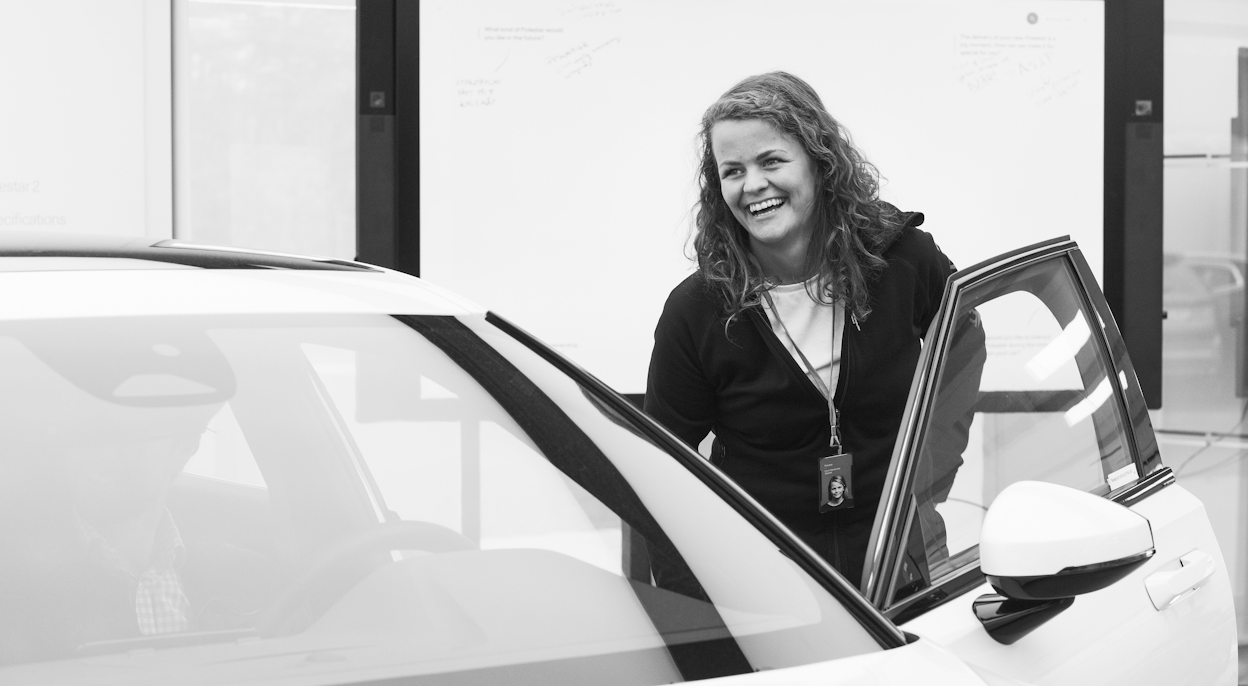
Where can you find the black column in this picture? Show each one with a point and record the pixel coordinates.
(1134, 80)
(407, 134)
(374, 133)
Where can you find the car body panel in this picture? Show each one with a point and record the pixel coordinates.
(919, 662)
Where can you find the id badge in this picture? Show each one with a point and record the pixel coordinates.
(836, 482)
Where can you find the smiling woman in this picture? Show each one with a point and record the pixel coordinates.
(793, 241)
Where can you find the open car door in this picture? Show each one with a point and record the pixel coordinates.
(1024, 377)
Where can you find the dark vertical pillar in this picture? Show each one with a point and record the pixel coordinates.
(375, 133)
(1134, 82)
(407, 135)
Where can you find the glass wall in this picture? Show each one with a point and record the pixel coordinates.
(265, 124)
(1202, 428)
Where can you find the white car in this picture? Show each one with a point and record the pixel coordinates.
(222, 466)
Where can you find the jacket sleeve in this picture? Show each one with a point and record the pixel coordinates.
(932, 272)
(678, 393)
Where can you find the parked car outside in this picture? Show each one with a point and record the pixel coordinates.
(1203, 297)
(224, 466)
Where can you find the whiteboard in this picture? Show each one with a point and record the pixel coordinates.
(86, 129)
(558, 139)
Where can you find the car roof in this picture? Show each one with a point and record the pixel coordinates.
(160, 251)
(72, 275)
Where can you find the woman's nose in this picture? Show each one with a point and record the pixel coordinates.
(755, 181)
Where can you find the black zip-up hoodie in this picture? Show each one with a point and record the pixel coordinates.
(770, 422)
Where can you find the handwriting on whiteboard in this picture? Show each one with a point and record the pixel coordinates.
(477, 92)
(518, 34)
(1035, 62)
(573, 61)
(589, 10)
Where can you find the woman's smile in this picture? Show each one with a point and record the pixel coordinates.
(765, 208)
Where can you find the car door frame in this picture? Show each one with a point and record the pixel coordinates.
(892, 518)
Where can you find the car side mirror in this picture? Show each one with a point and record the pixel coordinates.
(1043, 544)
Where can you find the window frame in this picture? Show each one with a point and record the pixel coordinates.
(892, 520)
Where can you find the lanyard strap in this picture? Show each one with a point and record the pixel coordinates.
(833, 415)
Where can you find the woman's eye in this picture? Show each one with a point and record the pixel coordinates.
(729, 172)
(772, 162)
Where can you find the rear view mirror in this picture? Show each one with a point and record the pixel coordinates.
(1043, 544)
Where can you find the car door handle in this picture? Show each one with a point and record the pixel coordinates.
(1167, 588)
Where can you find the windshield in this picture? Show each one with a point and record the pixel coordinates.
(353, 498)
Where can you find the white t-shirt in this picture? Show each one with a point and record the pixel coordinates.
(815, 327)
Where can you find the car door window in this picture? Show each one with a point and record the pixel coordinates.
(1023, 391)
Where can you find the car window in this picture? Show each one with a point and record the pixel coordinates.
(1024, 392)
(368, 497)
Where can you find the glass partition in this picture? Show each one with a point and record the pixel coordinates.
(1201, 428)
(265, 124)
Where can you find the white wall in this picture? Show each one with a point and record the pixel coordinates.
(85, 131)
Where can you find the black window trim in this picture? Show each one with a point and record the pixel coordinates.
(946, 589)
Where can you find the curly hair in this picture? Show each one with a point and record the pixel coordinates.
(852, 225)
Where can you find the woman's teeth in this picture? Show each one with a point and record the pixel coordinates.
(765, 207)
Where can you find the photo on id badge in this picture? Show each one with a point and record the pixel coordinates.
(836, 484)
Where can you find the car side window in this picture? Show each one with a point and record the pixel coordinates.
(1024, 391)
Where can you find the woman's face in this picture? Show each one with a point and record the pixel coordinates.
(768, 181)
(836, 489)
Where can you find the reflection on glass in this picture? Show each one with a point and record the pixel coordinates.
(1092, 403)
(1061, 350)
